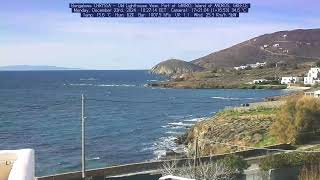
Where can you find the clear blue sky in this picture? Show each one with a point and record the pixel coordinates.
(45, 32)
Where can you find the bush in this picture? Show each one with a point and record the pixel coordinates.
(286, 160)
(235, 163)
(271, 65)
(310, 172)
(317, 85)
(229, 168)
(296, 117)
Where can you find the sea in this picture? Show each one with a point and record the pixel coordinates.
(125, 121)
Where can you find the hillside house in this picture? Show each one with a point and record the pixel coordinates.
(315, 94)
(258, 81)
(291, 80)
(313, 76)
(256, 65)
(276, 45)
(240, 67)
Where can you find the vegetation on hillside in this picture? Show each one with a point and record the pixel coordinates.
(285, 160)
(240, 126)
(294, 121)
(230, 78)
(297, 120)
(230, 167)
(295, 46)
(310, 172)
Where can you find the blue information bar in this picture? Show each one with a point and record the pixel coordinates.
(154, 10)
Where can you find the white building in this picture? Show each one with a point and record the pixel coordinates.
(261, 64)
(313, 94)
(312, 77)
(256, 65)
(240, 67)
(253, 65)
(257, 81)
(276, 45)
(291, 80)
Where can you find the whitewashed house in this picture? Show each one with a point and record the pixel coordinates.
(240, 67)
(315, 94)
(276, 45)
(253, 65)
(257, 81)
(261, 64)
(312, 77)
(291, 80)
(256, 65)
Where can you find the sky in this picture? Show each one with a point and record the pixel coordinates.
(45, 32)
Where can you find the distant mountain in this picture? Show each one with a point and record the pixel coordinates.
(175, 67)
(33, 68)
(295, 46)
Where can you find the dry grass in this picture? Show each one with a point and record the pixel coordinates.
(311, 172)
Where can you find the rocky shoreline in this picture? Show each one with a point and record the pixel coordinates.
(246, 126)
(210, 85)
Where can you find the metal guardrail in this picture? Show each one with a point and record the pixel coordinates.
(155, 165)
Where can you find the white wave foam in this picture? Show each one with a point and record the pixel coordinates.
(180, 124)
(225, 98)
(88, 79)
(174, 132)
(249, 98)
(173, 127)
(81, 84)
(163, 144)
(115, 85)
(95, 158)
(103, 85)
(194, 119)
(152, 80)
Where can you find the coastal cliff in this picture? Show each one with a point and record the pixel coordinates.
(175, 67)
(240, 126)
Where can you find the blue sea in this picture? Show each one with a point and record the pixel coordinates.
(126, 121)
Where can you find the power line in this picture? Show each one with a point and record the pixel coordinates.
(146, 102)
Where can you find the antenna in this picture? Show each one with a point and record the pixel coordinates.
(83, 138)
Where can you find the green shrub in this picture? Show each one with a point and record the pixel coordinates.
(285, 160)
(235, 163)
(296, 117)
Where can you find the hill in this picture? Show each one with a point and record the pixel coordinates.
(229, 78)
(296, 46)
(175, 67)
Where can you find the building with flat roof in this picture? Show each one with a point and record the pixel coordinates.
(291, 80)
(313, 76)
(315, 94)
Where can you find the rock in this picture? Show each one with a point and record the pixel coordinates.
(176, 69)
(257, 137)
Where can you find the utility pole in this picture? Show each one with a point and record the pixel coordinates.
(195, 158)
(83, 160)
